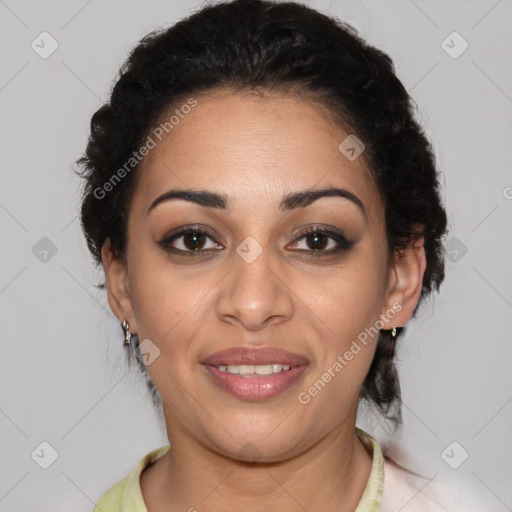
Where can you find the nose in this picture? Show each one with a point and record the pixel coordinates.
(254, 294)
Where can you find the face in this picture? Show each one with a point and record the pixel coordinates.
(259, 270)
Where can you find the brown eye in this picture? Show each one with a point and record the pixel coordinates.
(191, 241)
(194, 240)
(318, 242)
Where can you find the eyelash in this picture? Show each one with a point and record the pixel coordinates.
(343, 243)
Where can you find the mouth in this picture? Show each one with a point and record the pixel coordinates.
(257, 357)
(251, 370)
(255, 374)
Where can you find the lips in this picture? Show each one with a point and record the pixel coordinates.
(258, 387)
(255, 356)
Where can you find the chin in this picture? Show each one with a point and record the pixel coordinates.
(251, 445)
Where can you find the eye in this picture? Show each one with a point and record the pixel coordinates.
(192, 240)
(318, 241)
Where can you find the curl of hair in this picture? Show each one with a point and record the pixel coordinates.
(285, 47)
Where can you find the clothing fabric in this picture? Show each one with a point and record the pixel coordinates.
(389, 488)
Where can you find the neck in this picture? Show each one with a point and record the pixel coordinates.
(329, 476)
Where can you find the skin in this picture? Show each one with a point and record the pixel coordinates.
(255, 150)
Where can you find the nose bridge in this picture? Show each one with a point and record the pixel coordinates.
(254, 292)
(253, 252)
(253, 279)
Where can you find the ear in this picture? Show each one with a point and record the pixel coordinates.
(405, 284)
(118, 287)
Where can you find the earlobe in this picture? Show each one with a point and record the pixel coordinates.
(408, 270)
(118, 288)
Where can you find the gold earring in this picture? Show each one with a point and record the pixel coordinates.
(127, 334)
(393, 332)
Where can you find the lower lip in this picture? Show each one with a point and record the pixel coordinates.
(261, 387)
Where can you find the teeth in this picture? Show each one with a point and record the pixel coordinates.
(250, 369)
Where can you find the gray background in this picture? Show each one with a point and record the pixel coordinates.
(63, 376)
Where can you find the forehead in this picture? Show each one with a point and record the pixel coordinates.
(252, 148)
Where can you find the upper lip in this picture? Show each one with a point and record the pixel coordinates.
(254, 356)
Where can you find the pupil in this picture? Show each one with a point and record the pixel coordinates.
(196, 239)
(315, 238)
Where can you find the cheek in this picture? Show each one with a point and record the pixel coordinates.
(348, 299)
(345, 353)
(166, 302)
(345, 305)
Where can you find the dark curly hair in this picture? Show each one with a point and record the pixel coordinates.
(273, 46)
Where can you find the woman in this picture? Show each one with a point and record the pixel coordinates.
(267, 213)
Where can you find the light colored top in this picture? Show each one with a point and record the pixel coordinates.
(402, 490)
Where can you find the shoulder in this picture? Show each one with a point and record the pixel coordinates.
(409, 492)
(111, 501)
(126, 494)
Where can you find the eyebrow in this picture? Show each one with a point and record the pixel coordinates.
(289, 202)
